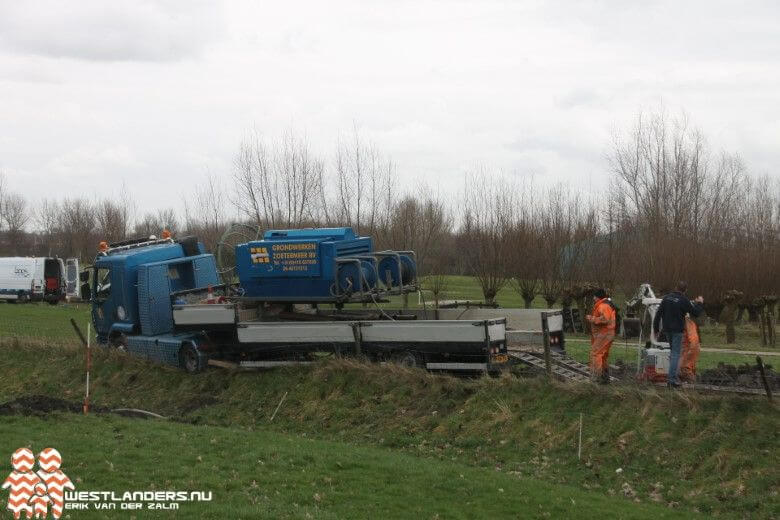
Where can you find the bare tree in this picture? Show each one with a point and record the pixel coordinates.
(206, 212)
(167, 219)
(15, 216)
(489, 212)
(419, 224)
(527, 241)
(437, 284)
(112, 220)
(278, 185)
(46, 218)
(685, 213)
(364, 181)
(156, 223)
(3, 193)
(77, 228)
(676, 210)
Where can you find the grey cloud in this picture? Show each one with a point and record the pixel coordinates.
(122, 30)
(696, 30)
(518, 86)
(548, 143)
(579, 97)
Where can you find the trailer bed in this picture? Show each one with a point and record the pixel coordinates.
(480, 332)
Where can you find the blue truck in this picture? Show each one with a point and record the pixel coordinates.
(164, 299)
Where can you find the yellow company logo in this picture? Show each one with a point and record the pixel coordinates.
(259, 255)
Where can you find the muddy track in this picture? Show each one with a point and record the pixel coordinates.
(43, 405)
(40, 405)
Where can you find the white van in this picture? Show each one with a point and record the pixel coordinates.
(38, 279)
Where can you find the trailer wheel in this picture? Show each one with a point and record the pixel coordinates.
(407, 358)
(189, 359)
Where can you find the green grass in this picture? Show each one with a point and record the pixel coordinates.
(267, 474)
(461, 288)
(43, 321)
(748, 337)
(467, 288)
(711, 453)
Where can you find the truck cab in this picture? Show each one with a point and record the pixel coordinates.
(120, 304)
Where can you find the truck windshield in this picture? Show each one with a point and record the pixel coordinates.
(103, 280)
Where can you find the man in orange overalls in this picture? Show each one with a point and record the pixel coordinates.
(602, 330)
(691, 347)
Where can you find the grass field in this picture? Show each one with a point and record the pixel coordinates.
(354, 440)
(43, 321)
(713, 454)
(267, 474)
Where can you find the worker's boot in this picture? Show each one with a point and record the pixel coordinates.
(604, 379)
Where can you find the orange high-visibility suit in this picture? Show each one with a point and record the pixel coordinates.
(602, 332)
(691, 347)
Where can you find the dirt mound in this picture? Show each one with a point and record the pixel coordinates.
(196, 403)
(746, 375)
(41, 405)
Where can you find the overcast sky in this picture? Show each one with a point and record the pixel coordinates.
(157, 94)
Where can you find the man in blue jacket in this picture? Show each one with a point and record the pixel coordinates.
(671, 316)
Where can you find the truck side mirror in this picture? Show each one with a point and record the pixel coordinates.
(86, 291)
(84, 276)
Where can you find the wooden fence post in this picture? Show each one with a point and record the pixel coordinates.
(763, 378)
(546, 342)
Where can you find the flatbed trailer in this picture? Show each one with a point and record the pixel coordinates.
(215, 331)
(230, 332)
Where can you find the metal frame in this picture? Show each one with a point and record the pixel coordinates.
(134, 245)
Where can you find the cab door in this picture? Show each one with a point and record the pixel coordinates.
(72, 287)
(103, 305)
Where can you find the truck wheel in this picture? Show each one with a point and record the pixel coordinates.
(189, 359)
(118, 341)
(407, 358)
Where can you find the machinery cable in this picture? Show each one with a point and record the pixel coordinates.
(371, 293)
